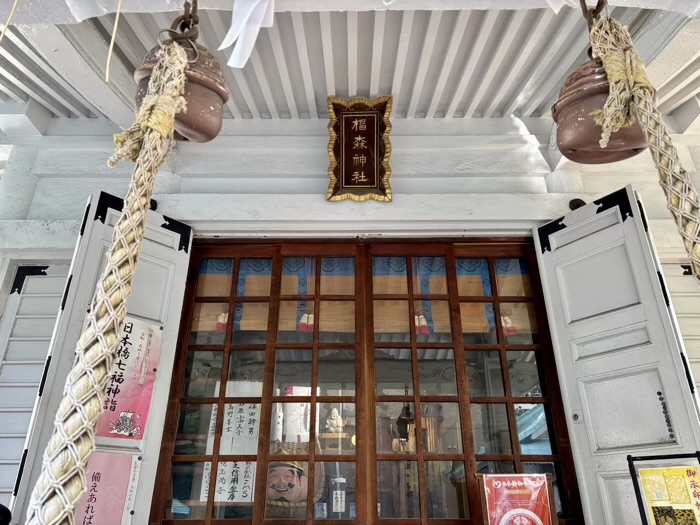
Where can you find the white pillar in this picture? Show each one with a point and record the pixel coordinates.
(17, 183)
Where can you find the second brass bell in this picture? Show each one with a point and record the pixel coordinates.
(205, 92)
(578, 136)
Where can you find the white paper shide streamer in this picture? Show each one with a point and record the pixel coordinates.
(247, 17)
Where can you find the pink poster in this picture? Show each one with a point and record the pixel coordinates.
(108, 482)
(130, 384)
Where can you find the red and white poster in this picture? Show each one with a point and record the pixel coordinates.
(517, 499)
(130, 383)
(111, 483)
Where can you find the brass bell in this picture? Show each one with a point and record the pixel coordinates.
(578, 136)
(205, 91)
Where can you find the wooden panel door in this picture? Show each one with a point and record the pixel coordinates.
(620, 367)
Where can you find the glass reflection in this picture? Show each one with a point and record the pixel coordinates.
(196, 430)
(298, 276)
(290, 429)
(533, 430)
(250, 323)
(512, 278)
(478, 323)
(490, 429)
(336, 372)
(519, 322)
(524, 374)
(554, 470)
(442, 431)
(393, 371)
(335, 428)
(337, 322)
(446, 489)
(296, 322)
(293, 370)
(246, 372)
(436, 372)
(396, 428)
(287, 489)
(203, 374)
(389, 275)
(432, 321)
(473, 277)
(391, 321)
(215, 278)
(484, 374)
(209, 322)
(335, 487)
(338, 276)
(235, 488)
(429, 276)
(190, 490)
(398, 489)
(254, 277)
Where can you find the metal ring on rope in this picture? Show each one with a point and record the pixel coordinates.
(179, 40)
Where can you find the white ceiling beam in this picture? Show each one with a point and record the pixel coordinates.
(424, 61)
(11, 91)
(573, 21)
(48, 72)
(687, 116)
(327, 43)
(127, 42)
(10, 53)
(24, 119)
(496, 57)
(401, 53)
(377, 47)
(352, 53)
(535, 37)
(681, 97)
(300, 37)
(259, 71)
(281, 62)
(219, 29)
(19, 79)
(79, 55)
(685, 76)
(475, 54)
(448, 62)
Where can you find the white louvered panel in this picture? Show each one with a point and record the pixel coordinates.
(33, 326)
(690, 326)
(8, 472)
(21, 372)
(16, 396)
(27, 349)
(39, 304)
(5, 496)
(18, 423)
(11, 447)
(50, 284)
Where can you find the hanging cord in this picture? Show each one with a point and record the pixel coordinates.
(9, 21)
(111, 42)
(632, 97)
(147, 142)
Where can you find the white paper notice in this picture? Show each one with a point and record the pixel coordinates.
(235, 481)
(240, 429)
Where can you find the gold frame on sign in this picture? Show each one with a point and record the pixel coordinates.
(384, 183)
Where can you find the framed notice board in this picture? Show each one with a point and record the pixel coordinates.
(667, 488)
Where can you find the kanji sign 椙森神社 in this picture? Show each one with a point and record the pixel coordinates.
(517, 499)
(359, 149)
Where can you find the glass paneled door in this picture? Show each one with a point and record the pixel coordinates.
(359, 383)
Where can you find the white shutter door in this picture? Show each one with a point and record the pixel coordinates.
(621, 372)
(26, 324)
(157, 296)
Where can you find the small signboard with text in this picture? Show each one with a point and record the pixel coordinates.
(359, 149)
(667, 488)
(130, 384)
(111, 490)
(518, 499)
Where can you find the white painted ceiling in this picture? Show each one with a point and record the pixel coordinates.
(437, 64)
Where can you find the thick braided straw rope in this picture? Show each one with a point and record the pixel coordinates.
(63, 476)
(632, 95)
